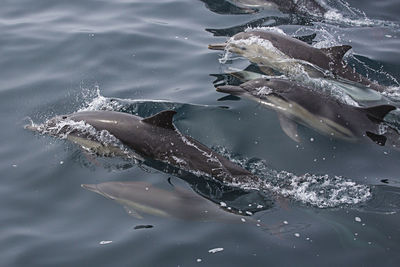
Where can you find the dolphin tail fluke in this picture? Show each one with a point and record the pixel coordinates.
(378, 113)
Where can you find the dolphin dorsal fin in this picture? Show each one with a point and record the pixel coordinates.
(379, 112)
(162, 119)
(336, 52)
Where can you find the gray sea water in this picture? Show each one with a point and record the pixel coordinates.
(326, 202)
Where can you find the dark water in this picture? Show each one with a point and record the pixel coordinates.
(60, 56)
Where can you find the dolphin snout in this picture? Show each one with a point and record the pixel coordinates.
(217, 46)
(91, 187)
(230, 89)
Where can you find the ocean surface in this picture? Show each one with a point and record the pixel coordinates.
(324, 201)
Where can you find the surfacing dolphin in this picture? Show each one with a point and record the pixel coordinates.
(139, 198)
(290, 56)
(295, 103)
(154, 137)
(298, 7)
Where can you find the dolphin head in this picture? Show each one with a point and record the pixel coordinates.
(258, 47)
(234, 44)
(52, 126)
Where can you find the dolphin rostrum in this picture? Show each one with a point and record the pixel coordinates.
(295, 103)
(290, 56)
(154, 138)
(139, 198)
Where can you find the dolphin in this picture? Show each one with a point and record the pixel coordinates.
(295, 104)
(153, 138)
(299, 7)
(278, 52)
(139, 198)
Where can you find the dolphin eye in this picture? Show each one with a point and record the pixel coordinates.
(64, 117)
(243, 48)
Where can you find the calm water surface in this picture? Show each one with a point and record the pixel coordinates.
(60, 56)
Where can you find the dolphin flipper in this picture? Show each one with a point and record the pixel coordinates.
(289, 127)
(377, 138)
(133, 212)
(267, 70)
(245, 76)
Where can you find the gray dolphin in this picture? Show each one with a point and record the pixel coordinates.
(140, 198)
(298, 104)
(154, 138)
(299, 7)
(277, 51)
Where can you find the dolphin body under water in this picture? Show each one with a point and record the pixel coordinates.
(298, 104)
(290, 56)
(154, 138)
(139, 198)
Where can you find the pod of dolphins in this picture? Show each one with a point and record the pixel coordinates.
(156, 138)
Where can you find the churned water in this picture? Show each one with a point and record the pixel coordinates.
(320, 202)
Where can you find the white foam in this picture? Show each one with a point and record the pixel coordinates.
(263, 28)
(263, 91)
(322, 191)
(63, 128)
(215, 250)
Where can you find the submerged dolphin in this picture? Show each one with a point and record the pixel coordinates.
(140, 198)
(154, 138)
(298, 104)
(288, 55)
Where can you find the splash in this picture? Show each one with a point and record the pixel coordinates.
(101, 143)
(322, 191)
(99, 102)
(345, 15)
(264, 54)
